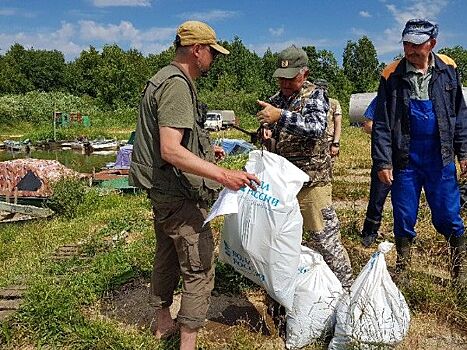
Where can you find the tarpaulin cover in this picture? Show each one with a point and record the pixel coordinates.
(31, 177)
(124, 157)
(236, 146)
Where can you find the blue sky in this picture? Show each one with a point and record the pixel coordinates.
(149, 25)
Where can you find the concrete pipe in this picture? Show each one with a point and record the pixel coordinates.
(359, 102)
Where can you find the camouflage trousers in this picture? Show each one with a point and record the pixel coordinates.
(323, 230)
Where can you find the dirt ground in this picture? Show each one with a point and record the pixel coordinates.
(129, 307)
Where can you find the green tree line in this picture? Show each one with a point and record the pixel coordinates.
(112, 78)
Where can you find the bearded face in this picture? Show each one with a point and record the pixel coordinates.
(205, 60)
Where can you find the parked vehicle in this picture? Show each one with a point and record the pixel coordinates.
(213, 121)
(220, 119)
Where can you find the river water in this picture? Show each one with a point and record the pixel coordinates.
(71, 159)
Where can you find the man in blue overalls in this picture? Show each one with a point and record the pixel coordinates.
(420, 126)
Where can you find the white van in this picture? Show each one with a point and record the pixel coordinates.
(219, 119)
(213, 121)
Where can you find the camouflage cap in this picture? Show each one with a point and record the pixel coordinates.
(195, 32)
(290, 61)
(417, 31)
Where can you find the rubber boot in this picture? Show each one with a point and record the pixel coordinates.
(459, 266)
(403, 245)
(369, 233)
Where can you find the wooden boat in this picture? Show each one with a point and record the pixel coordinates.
(13, 212)
(104, 145)
(16, 146)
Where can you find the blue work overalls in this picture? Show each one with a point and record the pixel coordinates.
(426, 170)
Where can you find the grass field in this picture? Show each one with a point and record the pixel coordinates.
(96, 298)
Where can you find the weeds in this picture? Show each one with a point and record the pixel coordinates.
(46, 132)
(53, 310)
(37, 108)
(228, 281)
(116, 236)
(68, 194)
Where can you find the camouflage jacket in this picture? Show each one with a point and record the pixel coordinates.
(310, 154)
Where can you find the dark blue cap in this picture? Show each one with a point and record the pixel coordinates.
(417, 31)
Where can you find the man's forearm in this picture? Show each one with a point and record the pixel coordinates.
(183, 159)
(337, 128)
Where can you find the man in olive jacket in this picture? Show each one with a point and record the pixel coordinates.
(173, 161)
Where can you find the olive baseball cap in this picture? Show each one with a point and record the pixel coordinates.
(195, 32)
(290, 61)
(417, 31)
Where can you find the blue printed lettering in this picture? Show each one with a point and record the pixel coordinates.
(226, 249)
(264, 186)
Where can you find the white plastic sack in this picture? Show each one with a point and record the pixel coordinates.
(375, 312)
(262, 241)
(317, 292)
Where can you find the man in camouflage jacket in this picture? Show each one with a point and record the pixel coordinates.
(299, 111)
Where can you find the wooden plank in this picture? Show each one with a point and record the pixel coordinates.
(7, 304)
(6, 216)
(17, 218)
(4, 314)
(26, 210)
(12, 292)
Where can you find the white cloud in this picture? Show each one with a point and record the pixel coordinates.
(213, 15)
(62, 39)
(132, 3)
(278, 46)
(389, 41)
(126, 33)
(7, 12)
(72, 38)
(365, 14)
(90, 30)
(159, 34)
(276, 31)
(418, 9)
